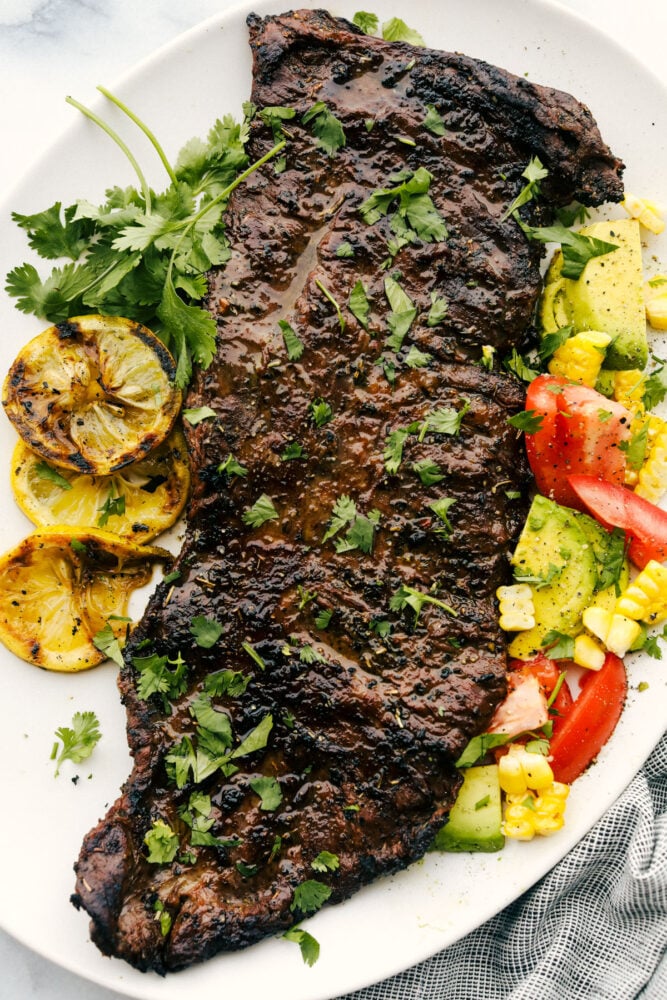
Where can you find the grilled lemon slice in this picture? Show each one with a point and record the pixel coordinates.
(93, 394)
(59, 587)
(137, 502)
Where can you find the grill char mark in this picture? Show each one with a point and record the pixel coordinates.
(364, 739)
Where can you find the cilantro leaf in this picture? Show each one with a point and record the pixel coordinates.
(410, 207)
(105, 640)
(226, 682)
(444, 420)
(396, 30)
(438, 310)
(293, 345)
(577, 248)
(360, 535)
(528, 421)
(54, 235)
(197, 414)
(655, 387)
(323, 618)
(206, 631)
(262, 510)
(635, 449)
(558, 645)
(403, 312)
(534, 174)
(368, 23)
(155, 677)
(253, 654)
(162, 843)
(310, 948)
(411, 597)
(516, 364)
(78, 740)
(433, 120)
(552, 341)
(211, 719)
(429, 472)
(393, 451)
(231, 467)
(345, 250)
(326, 128)
(269, 792)
(325, 862)
(344, 511)
(327, 294)
(45, 471)
(440, 508)
(256, 739)
(416, 358)
(293, 450)
(359, 305)
(479, 746)
(189, 332)
(114, 506)
(321, 412)
(310, 896)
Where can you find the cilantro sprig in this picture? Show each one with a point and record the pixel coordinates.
(78, 740)
(140, 254)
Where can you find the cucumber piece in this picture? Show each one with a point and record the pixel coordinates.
(475, 819)
(554, 556)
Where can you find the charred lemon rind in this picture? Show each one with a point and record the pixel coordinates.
(62, 585)
(93, 394)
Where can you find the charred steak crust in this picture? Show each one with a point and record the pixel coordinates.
(366, 723)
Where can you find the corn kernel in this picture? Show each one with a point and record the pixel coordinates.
(629, 388)
(518, 829)
(655, 298)
(647, 212)
(519, 771)
(546, 825)
(645, 599)
(652, 477)
(587, 653)
(517, 612)
(597, 621)
(560, 790)
(580, 357)
(622, 634)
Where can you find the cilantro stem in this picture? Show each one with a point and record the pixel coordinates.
(225, 193)
(119, 142)
(144, 128)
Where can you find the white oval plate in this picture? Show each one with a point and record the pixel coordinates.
(400, 920)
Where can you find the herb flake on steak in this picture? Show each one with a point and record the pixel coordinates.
(352, 562)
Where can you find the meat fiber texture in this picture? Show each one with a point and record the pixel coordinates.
(351, 696)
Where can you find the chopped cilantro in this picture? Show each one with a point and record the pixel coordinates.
(206, 631)
(293, 345)
(416, 358)
(162, 843)
(635, 448)
(105, 640)
(396, 30)
(325, 862)
(155, 677)
(197, 414)
(655, 387)
(269, 792)
(438, 310)
(403, 312)
(78, 740)
(253, 654)
(440, 508)
(323, 618)
(416, 599)
(256, 739)
(231, 467)
(479, 746)
(310, 948)
(326, 128)
(527, 421)
(310, 896)
(413, 216)
(577, 248)
(518, 366)
(558, 645)
(359, 305)
(226, 682)
(429, 472)
(321, 412)
(44, 471)
(393, 451)
(293, 450)
(345, 250)
(433, 121)
(114, 506)
(534, 174)
(261, 511)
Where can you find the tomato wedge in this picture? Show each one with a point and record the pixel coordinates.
(581, 432)
(590, 721)
(613, 506)
(547, 672)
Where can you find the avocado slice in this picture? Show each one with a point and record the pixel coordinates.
(475, 819)
(609, 295)
(555, 557)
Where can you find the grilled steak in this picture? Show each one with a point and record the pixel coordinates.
(353, 504)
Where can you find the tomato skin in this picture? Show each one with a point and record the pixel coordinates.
(613, 506)
(581, 432)
(547, 672)
(590, 721)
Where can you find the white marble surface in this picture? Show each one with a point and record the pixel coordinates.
(50, 48)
